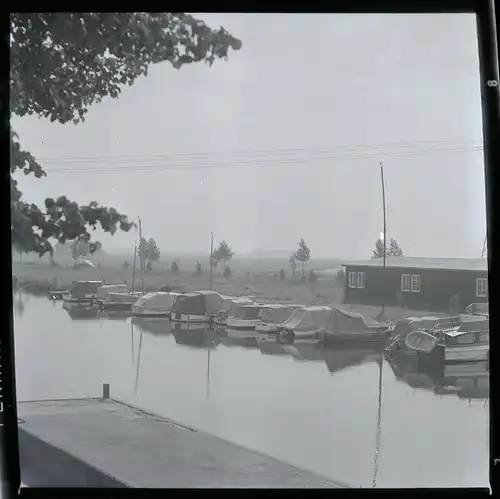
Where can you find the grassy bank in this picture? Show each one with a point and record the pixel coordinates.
(40, 278)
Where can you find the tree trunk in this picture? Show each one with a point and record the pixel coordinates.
(302, 266)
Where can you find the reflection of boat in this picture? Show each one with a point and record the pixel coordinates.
(240, 337)
(344, 356)
(273, 315)
(81, 291)
(471, 379)
(304, 323)
(157, 326)
(157, 304)
(200, 337)
(466, 380)
(78, 311)
(198, 307)
(306, 350)
(271, 346)
(344, 325)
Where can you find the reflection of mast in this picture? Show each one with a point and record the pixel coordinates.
(208, 373)
(132, 338)
(138, 365)
(379, 428)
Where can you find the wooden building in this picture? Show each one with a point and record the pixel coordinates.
(417, 283)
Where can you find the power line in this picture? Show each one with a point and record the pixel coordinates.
(256, 152)
(256, 163)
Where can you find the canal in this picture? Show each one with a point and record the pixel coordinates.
(321, 410)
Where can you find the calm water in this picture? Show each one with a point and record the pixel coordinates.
(316, 409)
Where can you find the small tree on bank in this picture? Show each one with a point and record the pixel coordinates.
(152, 251)
(392, 249)
(174, 267)
(293, 263)
(199, 269)
(224, 253)
(302, 255)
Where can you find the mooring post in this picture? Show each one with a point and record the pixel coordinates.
(105, 391)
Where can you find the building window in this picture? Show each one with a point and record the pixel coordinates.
(405, 282)
(482, 287)
(352, 279)
(361, 280)
(415, 283)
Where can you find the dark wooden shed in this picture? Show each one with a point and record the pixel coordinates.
(417, 283)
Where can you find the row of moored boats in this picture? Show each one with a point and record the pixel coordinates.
(455, 339)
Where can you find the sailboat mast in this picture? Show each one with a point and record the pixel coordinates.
(384, 211)
(141, 254)
(133, 268)
(211, 258)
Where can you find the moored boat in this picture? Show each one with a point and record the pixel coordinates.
(304, 323)
(198, 307)
(272, 316)
(157, 304)
(344, 325)
(245, 317)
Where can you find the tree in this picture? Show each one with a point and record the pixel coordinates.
(142, 251)
(282, 275)
(293, 263)
(199, 269)
(61, 64)
(392, 250)
(302, 254)
(175, 267)
(224, 253)
(153, 250)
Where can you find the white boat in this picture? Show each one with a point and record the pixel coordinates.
(116, 297)
(157, 304)
(467, 346)
(421, 341)
(272, 316)
(235, 303)
(199, 307)
(245, 316)
(468, 342)
(304, 323)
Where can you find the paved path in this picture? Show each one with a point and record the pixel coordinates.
(143, 450)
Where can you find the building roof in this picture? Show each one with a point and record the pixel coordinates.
(425, 263)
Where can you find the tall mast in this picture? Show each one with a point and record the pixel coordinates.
(384, 211)
(211, 258)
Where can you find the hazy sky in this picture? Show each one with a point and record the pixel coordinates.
(336, 87)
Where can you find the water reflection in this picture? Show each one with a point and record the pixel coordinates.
(81, 312)
(465, 380)
(342, 412)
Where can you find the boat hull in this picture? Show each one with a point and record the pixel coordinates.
(462, 353)
(264, 328)
(142, 312)
(190, 318)
(241, 324)
(379, 337)
(116, 307)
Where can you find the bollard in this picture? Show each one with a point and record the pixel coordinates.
(105, 391)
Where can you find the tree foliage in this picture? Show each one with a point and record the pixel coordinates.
(392, 249)
(174, 267)
(153, 250)
(61, 64)
(224, 252)
(302, 255)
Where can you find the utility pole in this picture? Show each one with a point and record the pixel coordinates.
(383, 208)
(211, 259)
(141, 250)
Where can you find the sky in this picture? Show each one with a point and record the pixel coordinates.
(298, 122)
